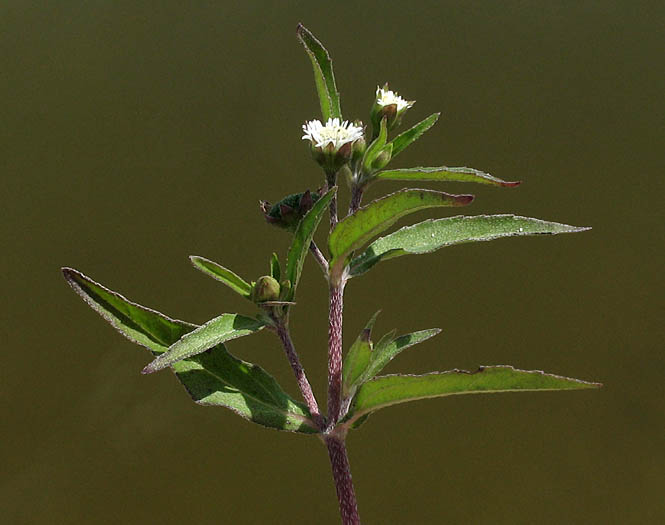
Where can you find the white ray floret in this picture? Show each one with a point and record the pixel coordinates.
(385, 97)
(334, 132)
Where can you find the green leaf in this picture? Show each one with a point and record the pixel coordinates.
(443, 173)
(214, 332)
(385, 340)
(139, 324)
(430, 235)
(275, 269)
(375, 147)
(357, 229)
(302, 239)
(323, 74)
(224, 275)
(217, 378)
(393, 389)
(404, 139)
(212, 378)
(385, 352)
(358, 357)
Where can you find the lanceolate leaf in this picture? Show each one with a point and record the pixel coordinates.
(139, 324)
(431, 235)
(218, 272)
(385, 340)
(393, 389)
(323, 74)
(386, 352)
(214, 332)
(401, 141)
(358, 357)
(443, 173)
(217, 378)
(302, 239)
(212, 378)
(357, 229)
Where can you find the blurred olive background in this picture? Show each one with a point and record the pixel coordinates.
(137, 133)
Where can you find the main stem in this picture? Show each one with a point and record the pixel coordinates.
(339, 461)
(335, 441)
(335, 352)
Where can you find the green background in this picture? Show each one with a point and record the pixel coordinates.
(136, 133)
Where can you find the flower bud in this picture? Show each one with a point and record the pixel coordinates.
(359, 147)
(390, 105)
(266, 288)
(288, 212)
(285, 290)
(383, 158)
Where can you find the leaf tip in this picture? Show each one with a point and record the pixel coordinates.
(73, 278)
(465, 200)
(511, 184)
(149, 368)
(68, 273)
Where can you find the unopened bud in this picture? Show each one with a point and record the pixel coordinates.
(266, 288)
(285, 290)
(383, 158)
(288, 212)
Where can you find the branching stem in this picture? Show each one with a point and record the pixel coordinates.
(356, 198)
(282, 330)
(331, 180)
(320, 258)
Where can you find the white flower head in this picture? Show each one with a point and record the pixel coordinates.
(334, 132)
(385, 97)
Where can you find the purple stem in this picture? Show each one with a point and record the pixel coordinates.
(343, 483)
(298, 370)
(331, 180)
(356, 198)
(320, 258)
(335, 351)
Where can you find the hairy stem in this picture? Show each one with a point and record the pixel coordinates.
(356, 198)
(346, 496)
(331, 180)
(335, 351)
(303, 383)
(320, 258)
